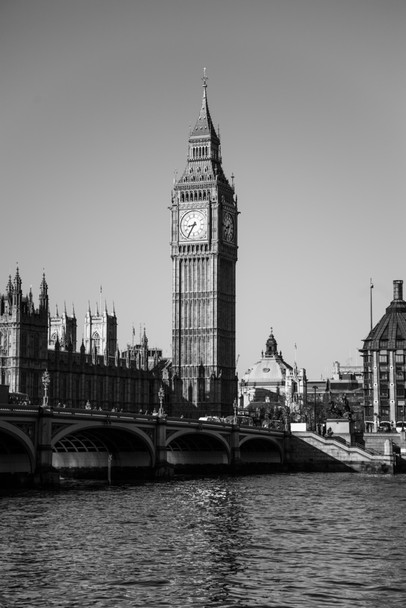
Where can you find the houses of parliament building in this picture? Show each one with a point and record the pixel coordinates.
(201, 376)
(32, 341)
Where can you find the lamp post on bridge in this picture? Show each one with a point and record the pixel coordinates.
(46, 379)
(161, 395)
(315, 423)
(235, 411)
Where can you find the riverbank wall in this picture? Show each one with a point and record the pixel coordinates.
(307, 451)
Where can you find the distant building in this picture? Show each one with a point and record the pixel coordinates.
(384, 356)
(32, 341)
(271, 378)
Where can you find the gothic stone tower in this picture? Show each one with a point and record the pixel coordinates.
(62, 330)
(204, 256)
(23, 338)
(101, 333)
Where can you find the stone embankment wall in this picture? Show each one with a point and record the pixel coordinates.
(376, 443)
(303, 456)
(310, 452)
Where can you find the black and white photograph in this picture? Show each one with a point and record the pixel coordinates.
(202, 305)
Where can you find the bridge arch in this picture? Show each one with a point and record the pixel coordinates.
(261, 449)
(197, 447)
(17, 451)
(86, 447)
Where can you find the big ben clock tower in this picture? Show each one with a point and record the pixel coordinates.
(204, 255)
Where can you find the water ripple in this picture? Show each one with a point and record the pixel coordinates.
(308, 540)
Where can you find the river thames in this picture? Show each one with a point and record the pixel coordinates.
(307, 540)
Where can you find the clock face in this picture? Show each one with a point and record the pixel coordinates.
(193, 225)
(228, 227)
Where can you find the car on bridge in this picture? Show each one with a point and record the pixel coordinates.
(241, 420)
(210, 419)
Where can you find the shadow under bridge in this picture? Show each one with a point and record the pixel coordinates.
(17, 451)
(261, 450)
(205, 447)
(197, 449)
(88, 451)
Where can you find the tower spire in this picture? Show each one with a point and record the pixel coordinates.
(204, 128)
(43, 295)
(205, 79)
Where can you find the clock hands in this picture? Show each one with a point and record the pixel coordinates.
(191, 228)
(193, 225)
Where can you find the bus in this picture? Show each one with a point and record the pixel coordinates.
(19, 399)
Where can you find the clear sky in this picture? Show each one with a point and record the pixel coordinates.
(96, 100)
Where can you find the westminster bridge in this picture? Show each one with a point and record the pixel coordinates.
(41, 444)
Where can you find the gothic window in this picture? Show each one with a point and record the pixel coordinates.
(96, 341)
(23, 382)
(36, 345)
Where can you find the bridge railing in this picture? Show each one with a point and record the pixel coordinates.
(108, 415)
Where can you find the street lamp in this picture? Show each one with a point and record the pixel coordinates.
(161, 395)
(315, 388)
(235, 411)
(46, 379)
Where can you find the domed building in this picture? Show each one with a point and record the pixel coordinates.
(271, 378)
(384, 354)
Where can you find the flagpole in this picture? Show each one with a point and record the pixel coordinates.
(371, 286)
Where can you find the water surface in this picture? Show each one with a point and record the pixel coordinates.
(307, 540)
